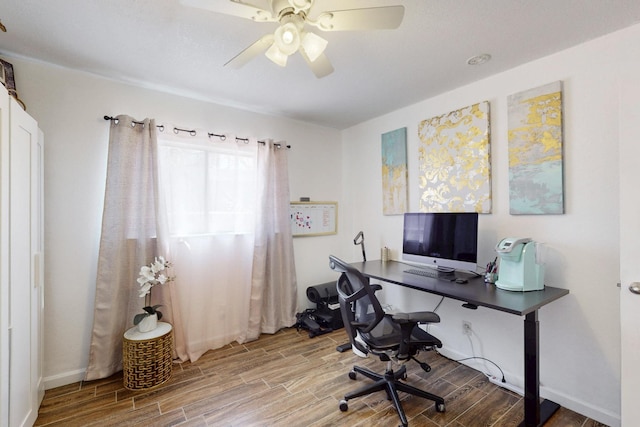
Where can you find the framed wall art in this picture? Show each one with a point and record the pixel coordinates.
(454, 161)
(394, 172)
(535, 151)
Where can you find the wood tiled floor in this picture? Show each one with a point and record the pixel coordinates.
(288, 379)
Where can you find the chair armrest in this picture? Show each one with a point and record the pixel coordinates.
(416, 317)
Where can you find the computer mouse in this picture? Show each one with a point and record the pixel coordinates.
(461, 280)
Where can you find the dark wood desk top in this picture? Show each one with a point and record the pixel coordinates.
(474, 292)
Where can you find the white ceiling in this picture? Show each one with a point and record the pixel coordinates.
(164, 45)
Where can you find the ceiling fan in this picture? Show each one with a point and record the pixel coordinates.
(292, 36)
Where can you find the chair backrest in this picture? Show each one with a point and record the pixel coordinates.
(361, 310)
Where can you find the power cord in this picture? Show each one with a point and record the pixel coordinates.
(476, 357)
(434, 310)
(438, 305)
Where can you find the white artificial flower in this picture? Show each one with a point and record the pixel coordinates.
(158, 265)
(150, 275)
(147, 273)
(145, 289)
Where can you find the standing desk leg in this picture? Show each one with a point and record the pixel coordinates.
(535, 413)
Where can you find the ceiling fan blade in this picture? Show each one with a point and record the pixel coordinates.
(372, 18)
(237, 8)
(251, 52)
(321, 67)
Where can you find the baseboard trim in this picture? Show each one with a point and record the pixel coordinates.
(64, 378)
(584, 408)
(599, 414)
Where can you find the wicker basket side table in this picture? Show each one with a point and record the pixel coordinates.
(146, 357)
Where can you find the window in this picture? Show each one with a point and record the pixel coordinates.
(210, 188)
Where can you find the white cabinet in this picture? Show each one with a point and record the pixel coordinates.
(21, 265)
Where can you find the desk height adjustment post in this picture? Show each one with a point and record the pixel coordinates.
(535, 414)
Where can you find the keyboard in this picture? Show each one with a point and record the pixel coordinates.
(426, 273)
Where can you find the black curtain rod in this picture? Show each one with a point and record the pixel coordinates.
(245, 140)
(115, 119)
(193, 132)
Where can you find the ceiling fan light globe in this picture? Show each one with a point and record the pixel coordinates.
(313, 45)
(287, 38)
(275, 55)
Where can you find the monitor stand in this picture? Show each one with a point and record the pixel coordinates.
(444, 273)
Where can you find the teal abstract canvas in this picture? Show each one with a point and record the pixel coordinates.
(394, 172)
(535, 151)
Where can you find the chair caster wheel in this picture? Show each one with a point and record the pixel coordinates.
(352, 375)
(343, 405)
(440, 407)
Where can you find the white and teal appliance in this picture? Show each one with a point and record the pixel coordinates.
(521, 265)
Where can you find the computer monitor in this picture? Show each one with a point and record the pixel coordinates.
(446, 241)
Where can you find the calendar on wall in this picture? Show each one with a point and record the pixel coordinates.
(313, 218)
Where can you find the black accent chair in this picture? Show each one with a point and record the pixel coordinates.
(391, 337)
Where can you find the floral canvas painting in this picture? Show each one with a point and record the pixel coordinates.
(535, 151)
(394, 172)
(454, 161)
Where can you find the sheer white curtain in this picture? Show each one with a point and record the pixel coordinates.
(213, 192)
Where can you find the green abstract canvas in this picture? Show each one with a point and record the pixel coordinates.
(394, 172)
(535, 151)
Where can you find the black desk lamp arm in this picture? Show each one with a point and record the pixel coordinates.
(359, 240)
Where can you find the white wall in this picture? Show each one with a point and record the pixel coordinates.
(580, 337)
(69, 107)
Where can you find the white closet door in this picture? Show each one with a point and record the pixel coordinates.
(37, 298)
(24, 289)
(4, 257)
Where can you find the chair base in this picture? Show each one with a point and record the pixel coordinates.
(390, 382)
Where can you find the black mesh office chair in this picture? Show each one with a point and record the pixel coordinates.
(391, 337)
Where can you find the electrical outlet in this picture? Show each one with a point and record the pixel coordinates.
(466, 327)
